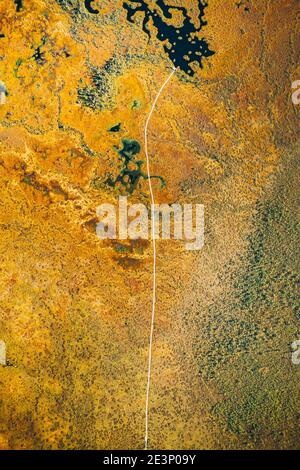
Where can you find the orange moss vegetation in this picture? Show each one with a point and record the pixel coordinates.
(75, 310)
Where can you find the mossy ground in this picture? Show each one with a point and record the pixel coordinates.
(75, 311)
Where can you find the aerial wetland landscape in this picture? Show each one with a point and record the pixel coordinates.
(177, 102)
